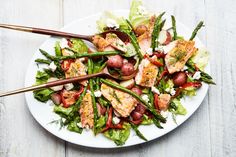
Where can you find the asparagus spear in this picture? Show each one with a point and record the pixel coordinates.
(194, 33)
(174, 27)
(156, 30)
(44, 61)
(150, 108)
(135, 127)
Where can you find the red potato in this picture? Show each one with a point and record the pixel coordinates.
(136, 115)
(56, 98)
(115, 61)
(127, 69)
(179, 78)
(140, 108)
(164, 37)
(163, 101)
(128, 83)
(137, 90)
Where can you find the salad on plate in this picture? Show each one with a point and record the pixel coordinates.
(167, 67)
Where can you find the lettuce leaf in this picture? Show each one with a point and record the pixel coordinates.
(181, 110)
(201, 58)
(41, 77)
(78, 45)
(106, 16)
(43, 95)
(119, 136)
(62, 111)
(72, 126)
(138, 14)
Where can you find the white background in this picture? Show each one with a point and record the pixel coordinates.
(211, 131)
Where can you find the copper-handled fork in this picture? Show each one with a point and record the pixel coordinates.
(104, 72)
(121, 35)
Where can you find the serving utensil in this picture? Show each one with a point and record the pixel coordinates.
(121, 35)
(104, 72)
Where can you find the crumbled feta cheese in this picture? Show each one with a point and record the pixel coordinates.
(82, 59)
(142, 10)
(97, 93)
(184, 68)
(68, 86)
(125, 61)
(63, 43)
(79, 125)
(149, 51)
(87, 127)
(52, 66)
(160, 48)
(55, 88)
(172, 91)
(112, 23)
(167, 89)
(145, 97)
(197, 75)
(116, 120)
(155, 90)
(165, 114)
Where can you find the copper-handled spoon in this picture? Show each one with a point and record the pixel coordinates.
(121, 35)
(104, 72)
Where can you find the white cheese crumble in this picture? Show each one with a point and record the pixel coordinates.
(142, 10)
(52, 66)
(160, 48)
(155, 90)
(145, 97)
(167, 89)
(125, 61)
(97, 93)
(79, 125)
(116, 120)
(149, 51)
(165, 114)
(184, 68)
(55, 88)
(112, 23)
(68, 86)
(82, 59)
(197, 75)
(63, 43)
(172, 91)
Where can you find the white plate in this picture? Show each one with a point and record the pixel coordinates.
(44, 114)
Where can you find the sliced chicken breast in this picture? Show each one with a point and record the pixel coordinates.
(147, 73)
(86, 111)
(122, 102)
(177, 57)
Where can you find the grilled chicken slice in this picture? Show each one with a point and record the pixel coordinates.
(86, 111)
(147, 73)
(122, 102)
(77, 69)
(100, 42)
(177, 57)
(116, 42)
(145, 39)
(163, 101)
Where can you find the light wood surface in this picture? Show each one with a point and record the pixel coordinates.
(211, 131)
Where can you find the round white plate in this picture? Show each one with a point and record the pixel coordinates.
(43, 112)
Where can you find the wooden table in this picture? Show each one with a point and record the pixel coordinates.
(211, 131)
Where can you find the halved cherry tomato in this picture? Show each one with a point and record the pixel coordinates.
(78, 93)
(159, 54)
(192, 84)
(65, 65)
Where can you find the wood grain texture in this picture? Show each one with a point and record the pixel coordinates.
(20, 134)
(209, 132)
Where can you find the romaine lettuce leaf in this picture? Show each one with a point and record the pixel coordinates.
(72, 126)
(41, 77)
(181, 110)
(78, 45)
(201, 58)
(43, 95)
(119, 136)
(138, 14)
